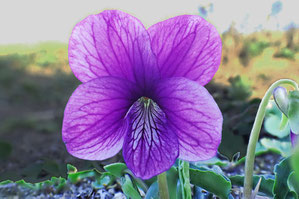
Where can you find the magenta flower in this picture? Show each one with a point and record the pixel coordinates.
(142, 91)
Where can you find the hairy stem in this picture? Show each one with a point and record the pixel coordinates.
(163, 187)
(254, 135)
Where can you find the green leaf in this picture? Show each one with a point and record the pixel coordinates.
(206, 178)
(282, 172)
(6, 182)
(273, 126)
(273, 121)
(103, 180)
(116, 169)
(266, 183)
(71, 169)
(212, 161)
(283, 123)
(5, 149)
(282, 147)
(259, 150)
(295, 162)
(293, 183)
(128, 188)
(76, 177)
(293, 111)
(25, 184)
(172, 181)
(153, 191)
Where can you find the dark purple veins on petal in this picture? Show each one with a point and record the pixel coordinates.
(150, 147)
(93, 126)
(112, 43)
(186, 46)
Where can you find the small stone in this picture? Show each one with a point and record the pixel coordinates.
(119, 195)
(111, 191)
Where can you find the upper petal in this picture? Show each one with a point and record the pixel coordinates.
(193, 115)
(186, 46)
(111, 43)
(93, 123)
(150, 146)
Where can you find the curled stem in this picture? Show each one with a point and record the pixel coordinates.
(163, 187)
(254, 135)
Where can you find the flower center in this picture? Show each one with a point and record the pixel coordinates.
(147, 121)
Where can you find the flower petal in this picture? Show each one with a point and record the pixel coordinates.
(186, 46)
(93, 126)
(150, 146)
(111, 43)
(193, 114)
(294, 139)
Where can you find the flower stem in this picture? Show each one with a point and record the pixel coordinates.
(184, 179)
(163, 187)
(254, 135)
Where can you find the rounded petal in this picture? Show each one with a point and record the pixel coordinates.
(193, 115)
(150, 146)
(186, 46)
(93, 125)
(111, 43)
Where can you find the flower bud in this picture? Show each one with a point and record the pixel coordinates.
(281, 99)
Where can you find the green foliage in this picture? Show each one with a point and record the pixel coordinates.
(282, 147)
(293, 112)
(282, 172)
(295, 162)
(206, 178)
(285, 53)
(128, 188)
(153, 191)
(266, 183)
(239, 89)
(251, 49)
(293, 183)
(116, 169)
(273, 120)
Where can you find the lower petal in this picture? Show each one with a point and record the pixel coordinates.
(193, 115)
(150, 147)
(93, 126)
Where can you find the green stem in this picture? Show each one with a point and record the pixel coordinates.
(184, 179)
(163, 187)
(254, 135)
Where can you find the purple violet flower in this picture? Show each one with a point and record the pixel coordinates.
(142, 91)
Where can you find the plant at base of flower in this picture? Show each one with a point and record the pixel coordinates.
(280, 97)
(142, 91)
